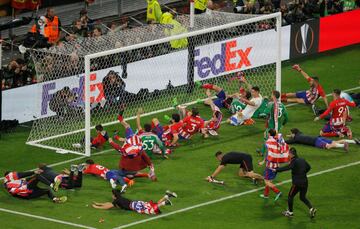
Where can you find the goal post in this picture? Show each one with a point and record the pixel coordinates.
(151, 72)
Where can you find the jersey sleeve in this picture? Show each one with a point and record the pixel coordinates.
(350, 104)
(321, 91)
(328, 110)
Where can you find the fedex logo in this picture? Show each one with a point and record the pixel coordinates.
(49, 89)
(230, 58)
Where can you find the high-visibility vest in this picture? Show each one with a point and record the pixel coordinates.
(150, 12)
(176, 29)
(52, 29)
(201, 4)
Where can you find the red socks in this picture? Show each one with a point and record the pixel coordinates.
(283, 98)
(275, 189)
(330, 134)
(208, 86)
(142, 175)
(266, 191)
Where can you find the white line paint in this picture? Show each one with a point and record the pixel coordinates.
(230, 197)
(45, 218)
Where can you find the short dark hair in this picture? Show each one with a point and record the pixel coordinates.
(272, 132)
(147, 127)
(293, 151)
(337, 91)
(99, 127)
(315, 78)
(175, 117)
(256, 88)
(295, 131)
(218, 153)
(248, 94)
(276, 94)
(194, 112)
(42, 166)
(6, 173)
(89, 162)
(116, 193)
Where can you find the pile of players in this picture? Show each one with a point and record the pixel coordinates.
(138, 148)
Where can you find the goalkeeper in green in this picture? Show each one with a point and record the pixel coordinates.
(150, 141)
(277, 116)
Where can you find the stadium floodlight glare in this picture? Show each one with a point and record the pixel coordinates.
(147, 67)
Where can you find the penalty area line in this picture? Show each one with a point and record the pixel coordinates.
(45, 218)
(232, 196)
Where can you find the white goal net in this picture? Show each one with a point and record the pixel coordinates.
(87, 82)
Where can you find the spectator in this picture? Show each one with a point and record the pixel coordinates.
(79, 29)
(153, 12)
(97, 32)
(17, 74)
(86, 22)
(51, 27)
(61, 103)
(349, 5)
(173, 27)
(267, 8)
(114, 89)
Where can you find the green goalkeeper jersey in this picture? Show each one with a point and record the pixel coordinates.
(282, 115)
(150, 141)
(236, 105)
(260, 112)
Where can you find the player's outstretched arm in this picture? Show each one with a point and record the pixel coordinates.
(138, 122)
(299, 69)
(217, 171)
(105, 206)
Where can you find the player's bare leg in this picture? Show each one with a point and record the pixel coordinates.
(165, 200)
(338, 144)
(295, 100)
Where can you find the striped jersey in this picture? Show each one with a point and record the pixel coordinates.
(277, 151)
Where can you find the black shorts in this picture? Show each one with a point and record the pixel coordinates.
(247, 164)
(122, 203)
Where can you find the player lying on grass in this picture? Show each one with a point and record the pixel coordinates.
(277, 152)
(336, 126)
(150, 141)
(242, 159)
(308, 97)
(141, 207)
(192, 123)
(299, 168)
(133, 157)
(244, 116)
(169, 134)
(276, 115)
(66, 179)
(96, 142)
(115, 177)
(213, 124)
(24, 185)
(297, 137)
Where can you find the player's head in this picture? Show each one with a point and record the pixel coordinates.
(272, 132)
(42, 166)
(99, 128)
(255, 91)
(314, 81)
(228, 102)
(89, 162)
(6, 173)
(247, 94)
(294, 131)
(147, 127)
(116, 194)
(175, 117)
(219, 155)
(336, 93)
(293, 153)
(276, 94)
(194, 112)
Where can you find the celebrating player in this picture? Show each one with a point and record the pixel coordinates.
(192, 123)
(113, 176)
(141, 207)
(251, 106)
(243, 159)
(336, 126)
(97, 142)
(277, 153)
(24, 185)
(212, 125)
(299, 168)
(306, 97)
(297, 137)
(169, 134)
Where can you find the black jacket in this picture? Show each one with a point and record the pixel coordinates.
(299, 168)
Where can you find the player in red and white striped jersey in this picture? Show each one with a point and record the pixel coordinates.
(277, 153)
(337, 124)
(306, 97)
(192, 123)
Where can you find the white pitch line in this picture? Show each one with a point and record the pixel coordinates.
(45, 218)
(230, 197)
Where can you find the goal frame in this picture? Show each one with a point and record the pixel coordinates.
(87, 63)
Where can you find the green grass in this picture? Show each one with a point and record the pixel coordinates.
(335, 194)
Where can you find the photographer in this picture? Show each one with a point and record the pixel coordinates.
(114, 89)
(62, 103)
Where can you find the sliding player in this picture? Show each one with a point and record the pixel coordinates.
(96, 142)
(24, 185)
(297, 137)
(277, 153)
(306, 97)
(242, 159)
(251, 106)
(336, 126)
(115, 177)
(141, 207)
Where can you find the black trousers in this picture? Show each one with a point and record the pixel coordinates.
(36, 191)
(292, 193)
(72, 181)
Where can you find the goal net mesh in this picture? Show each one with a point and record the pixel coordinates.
(147, 76)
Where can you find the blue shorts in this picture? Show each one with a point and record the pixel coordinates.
(159, 130)
(129, 133)
(327, 128)
(269, 174)
(112, 174)
(302, 95)
(322, 142)
(221, 96)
